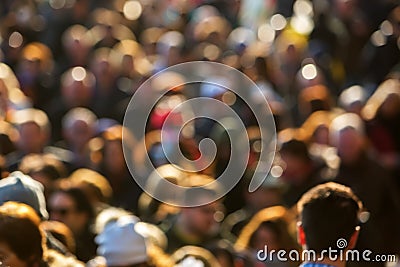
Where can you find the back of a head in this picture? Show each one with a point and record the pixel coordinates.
(120, 244)
(328, 212)
(23, 189)
(297, 149)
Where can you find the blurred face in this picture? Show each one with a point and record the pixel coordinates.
(79, 134)
(8, 257)
(265, 237)
(114, 157)
(31, 138)
(350, 145)
(63, 209)
(201, 220)
(263, 198)
(295, 168)
(77, 94)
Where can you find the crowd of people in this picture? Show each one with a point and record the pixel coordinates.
(330, 70)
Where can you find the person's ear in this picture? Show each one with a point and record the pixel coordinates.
(353, 238)
(301, 237)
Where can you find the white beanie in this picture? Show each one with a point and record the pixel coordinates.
(120, 244)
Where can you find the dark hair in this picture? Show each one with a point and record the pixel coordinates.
(43, 164)
(296, 148)
(280, 229)
(328, 212)
(82, 203)
(19, 229)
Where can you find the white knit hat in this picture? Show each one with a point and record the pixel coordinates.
(120, 244)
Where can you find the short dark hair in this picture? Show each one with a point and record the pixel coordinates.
(328, 212)
(82, 202)
(296, 148)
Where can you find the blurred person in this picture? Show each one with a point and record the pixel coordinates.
(121, 245)
(108, 100)
(224, 252)
(268, 228)
(122, 238)
(11, 97)
(131, 65)
(96, 187)
(77, 43)
(34, 133)
(77, 90)
(71, 206)
(299, 170)
(341, 209)
(195, 225)
(78, 128)
(382, 49)
(382, 113)
(194, 256)
(126, 191)
(269, 194)
(314, 98)
(35, 73)
(353, 98)
(109, 28)
(169, 49)
(61, 18)
(21, 188)
(357, 29)
(22, 240)
(371, 182)
(44, 168)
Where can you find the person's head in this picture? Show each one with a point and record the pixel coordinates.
(71, 206)
(352, 99)
(204, 214)
(121, 245)
(77, 43)
(268, 227)
(347, 135)
(21, 188)
(297, 161)
(95, 185)
(328, 213)
(44, 168)
(113, 153)
(21, 240)
(269, 194)
(194, 256)
(77, 87)
(34, 130)
(79, 126)
(223, 251)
